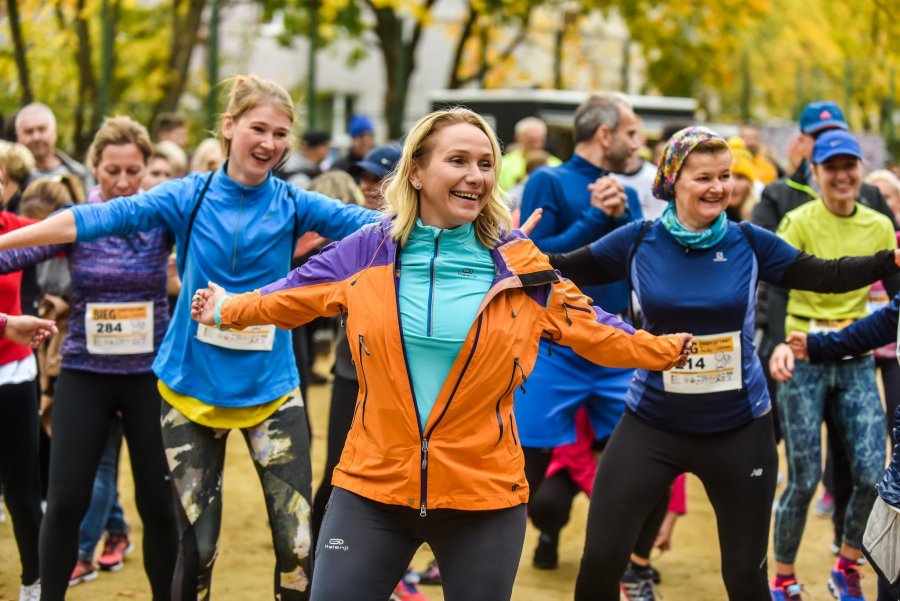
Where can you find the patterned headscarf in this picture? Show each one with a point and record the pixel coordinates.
(675, 154)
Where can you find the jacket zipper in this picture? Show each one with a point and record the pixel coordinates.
(423, 506)
(412, 391)
(512, 377)
(363, 349)
(429, 328)
(236, 232)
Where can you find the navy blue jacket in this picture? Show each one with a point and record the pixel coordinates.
(874, 331)
(570, 221)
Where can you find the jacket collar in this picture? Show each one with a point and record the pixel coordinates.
(229, 186)
(517, 261)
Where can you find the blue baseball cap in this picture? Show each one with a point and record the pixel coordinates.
(821, 115)
(360, 125)
(833, 143)
(380, 161)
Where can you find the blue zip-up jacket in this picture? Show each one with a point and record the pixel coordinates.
(570, 221)
(242, 238)
(869, 333)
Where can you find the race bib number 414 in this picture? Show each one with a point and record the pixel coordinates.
(713, 366)
(119, 328)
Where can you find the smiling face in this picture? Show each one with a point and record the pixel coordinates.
(120, 170)
(258, 140)
(703, 188)
(456, 176)
(840, 178)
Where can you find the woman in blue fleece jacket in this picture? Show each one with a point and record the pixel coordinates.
(236, 226)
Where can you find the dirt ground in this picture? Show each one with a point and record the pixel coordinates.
(690, 571)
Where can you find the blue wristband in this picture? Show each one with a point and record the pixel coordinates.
(217, 313)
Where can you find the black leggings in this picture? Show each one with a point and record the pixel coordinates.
(738, 468)
(550, 503)
(19, 471)
(83, 409)
(340, 416)
(365, 547)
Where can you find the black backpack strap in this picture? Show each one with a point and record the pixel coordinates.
(190, 228)
(748, 233)
(637, 242)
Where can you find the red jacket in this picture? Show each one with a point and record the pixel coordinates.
(10, 292)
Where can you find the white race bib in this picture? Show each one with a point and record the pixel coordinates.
(119, 328)
(714, 365)
(253, 338)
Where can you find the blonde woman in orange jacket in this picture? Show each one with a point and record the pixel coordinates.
(445, 307)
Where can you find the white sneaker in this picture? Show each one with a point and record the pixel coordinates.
(2, 511)
(31, 592)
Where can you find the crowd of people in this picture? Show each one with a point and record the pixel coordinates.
(512, 330)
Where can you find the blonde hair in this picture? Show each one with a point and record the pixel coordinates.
(173, 153)
(17, 159)
(44, 196)
(883, 175)
(338, 184)
(203, 155)
(248, 92)
(119, 131)
(402, 199)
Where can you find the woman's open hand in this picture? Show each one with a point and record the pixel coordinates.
(203, 304)
(531, 222)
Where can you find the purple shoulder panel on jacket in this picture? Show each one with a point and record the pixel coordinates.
(370, 246)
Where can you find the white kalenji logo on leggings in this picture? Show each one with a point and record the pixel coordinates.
(337, 544)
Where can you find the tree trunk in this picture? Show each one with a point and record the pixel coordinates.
(87, 82)
(15, 27)
(184, 38)
(456, 79)
(399, 62)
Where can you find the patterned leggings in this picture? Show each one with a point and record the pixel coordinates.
(279, 447)
(856, 410)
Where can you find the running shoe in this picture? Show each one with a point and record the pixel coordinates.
(845, 584)
(2, 511)
(824, 505)
(406, 589)
(84, 572)
(32, 592)
(431, 574)
(637, 585)
(546, 554)
(115, 549)
(789, 591)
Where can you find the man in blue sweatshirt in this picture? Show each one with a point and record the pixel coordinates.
(580, 203)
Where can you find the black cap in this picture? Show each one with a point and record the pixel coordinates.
(315, 137)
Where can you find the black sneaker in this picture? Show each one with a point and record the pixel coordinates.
(546, 555)
(638, 585)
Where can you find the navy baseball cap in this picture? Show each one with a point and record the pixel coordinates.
(821, 115)
(833, 143)
(380, 161)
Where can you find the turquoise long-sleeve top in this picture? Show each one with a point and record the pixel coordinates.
(444, 276)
